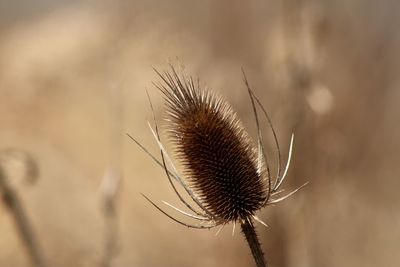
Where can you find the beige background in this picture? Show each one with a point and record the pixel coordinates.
(72, 83)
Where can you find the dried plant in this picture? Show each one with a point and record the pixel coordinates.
(226, 175)
(25, 162)
(112, 180)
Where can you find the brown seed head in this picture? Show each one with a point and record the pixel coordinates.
(219, 159)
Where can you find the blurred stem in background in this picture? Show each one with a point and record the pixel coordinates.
(14, 204)
(110, 186)
(111, 182)
(298, 67)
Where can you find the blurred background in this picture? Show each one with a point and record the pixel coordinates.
(73, 80)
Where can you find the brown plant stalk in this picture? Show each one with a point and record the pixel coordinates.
(15, 206)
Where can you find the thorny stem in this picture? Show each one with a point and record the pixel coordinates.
(26, 233)
(254, 244)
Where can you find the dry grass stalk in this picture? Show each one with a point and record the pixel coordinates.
(112, 180)
(14, 204)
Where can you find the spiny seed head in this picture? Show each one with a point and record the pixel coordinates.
(218, 157)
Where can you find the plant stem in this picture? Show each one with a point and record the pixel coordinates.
(254, 244)
(26, 233)
(111, 183)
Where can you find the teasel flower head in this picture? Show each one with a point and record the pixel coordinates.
(225, 173)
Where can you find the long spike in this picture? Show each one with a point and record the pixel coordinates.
(273, 133)
(274, 201)
(261, 152)
(287, 165)
(220, 229)
(187, 189)
(167, 157)
(277, 192)
(185, 213)
(178, 221)
(151, 155)
(260, 221)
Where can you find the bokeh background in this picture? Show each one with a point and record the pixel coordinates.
(73, 80)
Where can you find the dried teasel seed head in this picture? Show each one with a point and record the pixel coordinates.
(218, 157)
